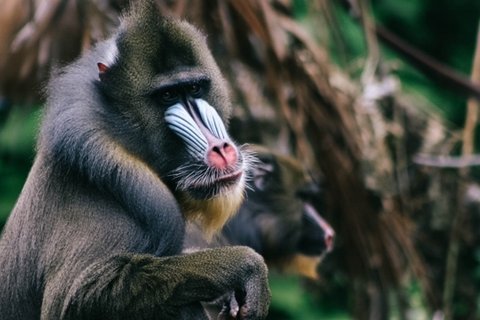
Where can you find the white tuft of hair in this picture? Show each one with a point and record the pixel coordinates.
(111, 54)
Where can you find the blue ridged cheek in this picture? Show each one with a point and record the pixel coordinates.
(212, 120)
(180, 122)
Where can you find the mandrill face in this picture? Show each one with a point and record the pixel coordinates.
(178, 102)
(212, 179)
(215, 165)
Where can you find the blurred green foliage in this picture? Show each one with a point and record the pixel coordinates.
(444, 29)
(290, 301)
(447, 31)
(17, 137)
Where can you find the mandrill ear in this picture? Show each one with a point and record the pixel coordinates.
(102, 71)
(262, 172)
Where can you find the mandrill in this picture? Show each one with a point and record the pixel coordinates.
(133, 143)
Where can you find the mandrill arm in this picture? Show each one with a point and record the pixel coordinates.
(148, 287)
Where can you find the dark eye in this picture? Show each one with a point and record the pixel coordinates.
(309, 191)
(168, 96)
(195, 90)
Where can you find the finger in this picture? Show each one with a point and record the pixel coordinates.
(234, 308)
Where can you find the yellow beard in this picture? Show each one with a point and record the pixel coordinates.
(303, 265)
(212, 214)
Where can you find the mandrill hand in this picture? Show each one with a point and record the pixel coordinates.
(250, 303)
(230, 307)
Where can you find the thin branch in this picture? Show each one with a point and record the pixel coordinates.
(459, 218)
(431, 67)
(373, 56)
(472, 105)
(448, 162)
(427, 64)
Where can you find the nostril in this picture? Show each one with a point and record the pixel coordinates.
(230, 154)
(222, 155)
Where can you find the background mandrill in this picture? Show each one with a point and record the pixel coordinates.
(277, 218)
(132, 142)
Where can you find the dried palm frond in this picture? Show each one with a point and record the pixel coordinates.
(361, 134)
(38, 35)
